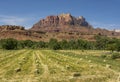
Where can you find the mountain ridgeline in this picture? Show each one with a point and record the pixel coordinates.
(60, 27)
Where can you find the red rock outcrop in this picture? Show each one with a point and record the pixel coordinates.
(62, 20)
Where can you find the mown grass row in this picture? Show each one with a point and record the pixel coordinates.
(95, 58)
(73, 65)
(8, 57)
(110, 72)
(50, 69)
(17, 68)
(38, 67)
(54, 66)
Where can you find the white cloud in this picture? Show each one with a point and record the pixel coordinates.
(12, 20)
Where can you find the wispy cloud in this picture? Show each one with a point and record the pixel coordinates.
(12, 20)
(105, 25)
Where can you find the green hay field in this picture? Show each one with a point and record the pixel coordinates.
(58, 66)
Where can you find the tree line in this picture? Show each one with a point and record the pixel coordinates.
(100, 43)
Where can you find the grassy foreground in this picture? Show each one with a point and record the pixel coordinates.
(58, 66)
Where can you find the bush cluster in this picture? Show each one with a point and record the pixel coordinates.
(101, 43)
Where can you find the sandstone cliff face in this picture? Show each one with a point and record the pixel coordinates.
(61, 20)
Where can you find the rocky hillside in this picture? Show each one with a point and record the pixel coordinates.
(10, 27)
(18, 32)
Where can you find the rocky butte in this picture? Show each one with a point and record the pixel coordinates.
(60, 22)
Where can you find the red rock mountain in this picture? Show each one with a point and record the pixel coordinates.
(60, 21)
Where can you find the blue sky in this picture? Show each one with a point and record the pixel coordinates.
(99, 13)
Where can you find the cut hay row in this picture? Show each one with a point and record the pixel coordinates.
(38, 65)
(53, 71)
(57, 66)
(13, 68)
(69, 64)
(84, 52)
(7, 53)
(98, 67)
(6, 62)
(96, 59)
(8, 57)
(111, 66)
(44, 65)
(25, 66)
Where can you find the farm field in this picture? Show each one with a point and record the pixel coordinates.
(29, 65)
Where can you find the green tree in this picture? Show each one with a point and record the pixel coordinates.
(9, 44)
(111, 47)
(27, 44)
(72, 44)
(118, 45)
(64, 44)
(54, 44)
(101, 41)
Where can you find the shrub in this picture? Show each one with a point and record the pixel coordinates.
(115, 55)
